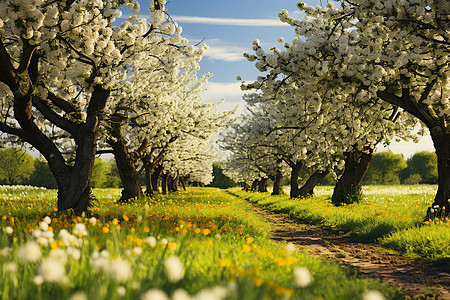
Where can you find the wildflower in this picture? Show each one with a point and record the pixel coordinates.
(154, 294)
(172, 246)
(30, 252)
(80, 230)
(43, 226)
(174, 268)
(180, 294)
(52, 270)
(5, 252)
(38, 280)
(93, 221)
(373, 295)
(121, 291)
(120, 270)
(215, 293)
(73, 253)
(151, 241)
(302, 277)
(79, 296)
(59, 255)
(8, 230)
(224, 262)
(10, 267)
(47, 220)
(290, 247)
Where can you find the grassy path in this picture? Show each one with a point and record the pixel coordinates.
(420, 280)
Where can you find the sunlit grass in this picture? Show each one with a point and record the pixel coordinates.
(199, 244)
(390, 215)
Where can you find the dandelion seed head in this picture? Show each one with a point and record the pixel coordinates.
(120, 270)
(29, 252)
(52, 270)
(174, 268)
(373, 295)
(154, 294)
(302, 277)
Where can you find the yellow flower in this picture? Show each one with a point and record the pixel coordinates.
(172, 246)
(224, 262)
(250, 240)
(105, 229)
(246, 248)
(258, 281)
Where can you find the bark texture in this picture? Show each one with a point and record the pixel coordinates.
(277, 183)
(441, 143)
(348, 187)
(308, 188)
(125, 162)
(262, 185)
(295, 173)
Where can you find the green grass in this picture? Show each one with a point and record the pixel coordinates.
(122, 254)
(389, 215)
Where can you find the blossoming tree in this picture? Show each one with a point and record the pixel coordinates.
(323, 63)
(395, 51)
(60, 60)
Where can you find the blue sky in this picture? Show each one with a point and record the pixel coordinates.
(228, 28)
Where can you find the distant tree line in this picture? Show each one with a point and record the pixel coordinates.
(17, 167)
(389, 168)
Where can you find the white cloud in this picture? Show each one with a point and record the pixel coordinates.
(223, 51)
(230, 92)
(229, 21)
(215, 91)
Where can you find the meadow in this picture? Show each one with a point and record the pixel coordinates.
(200, 244)
(392, 216)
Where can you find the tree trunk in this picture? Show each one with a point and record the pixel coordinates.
(348, 187)
(164, 183)
(245, 186)
(72, 181)
(308, 188)
(442, 145)
(262, 185)
(155, 178)
(172, 184)
(125, 164)
(295, 173)
(254, 185)
(148, 179)
(183, 183)
(277, 183)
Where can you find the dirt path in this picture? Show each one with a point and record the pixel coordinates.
(418, 279)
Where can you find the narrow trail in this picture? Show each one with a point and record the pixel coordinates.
(418, 279)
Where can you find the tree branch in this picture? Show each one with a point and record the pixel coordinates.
(54, 118)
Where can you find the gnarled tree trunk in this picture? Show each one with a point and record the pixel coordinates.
(295, 173)
(125, 163)
(277, 183)
(156, 175)
(254, 185)
(262, 185)
(348, 187)
(308, 188)
(441, 143)
(164, 178)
